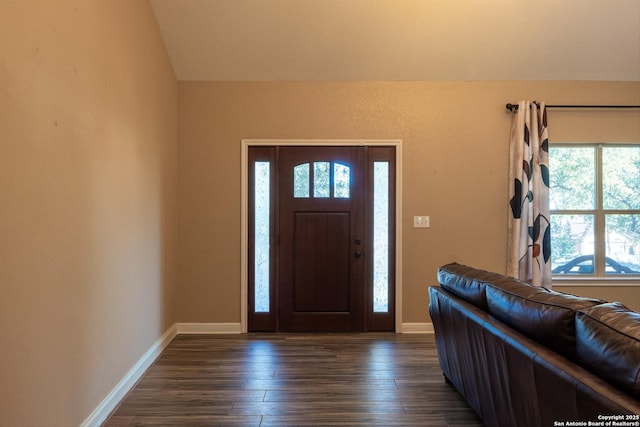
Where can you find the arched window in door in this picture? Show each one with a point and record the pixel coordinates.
(324, 179)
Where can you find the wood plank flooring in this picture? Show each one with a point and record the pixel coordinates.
(372, 379)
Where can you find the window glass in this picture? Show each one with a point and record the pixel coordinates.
(572, 237)
(261, 239)
(341, 180)
(321, 180)
(572, 178)
(380, 237)
(301, 181)
(622, 237)
(621, 178)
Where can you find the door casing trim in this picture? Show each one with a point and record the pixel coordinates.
(244, 244)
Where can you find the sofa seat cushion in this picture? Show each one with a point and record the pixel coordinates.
(608, 344)
(470, 283)
(543, 315)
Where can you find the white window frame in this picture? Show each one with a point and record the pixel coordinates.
(598, 277)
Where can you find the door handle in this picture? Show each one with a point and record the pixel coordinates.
(358, 254)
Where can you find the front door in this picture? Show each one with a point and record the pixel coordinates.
(321, 232)
(321, 238)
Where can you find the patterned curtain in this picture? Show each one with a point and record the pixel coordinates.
(529, 246)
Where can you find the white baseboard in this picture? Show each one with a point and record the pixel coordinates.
(236, 328)
(417, 328)
(102, 411)
(209, 328)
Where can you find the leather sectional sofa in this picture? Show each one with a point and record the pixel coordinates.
(526, 356)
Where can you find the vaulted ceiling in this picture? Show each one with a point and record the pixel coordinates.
(402, 39)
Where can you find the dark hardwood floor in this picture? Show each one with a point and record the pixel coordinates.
(372, 379)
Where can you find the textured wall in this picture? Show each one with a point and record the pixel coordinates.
(455, 143)
(88, 143)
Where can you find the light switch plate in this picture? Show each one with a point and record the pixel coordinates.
(421, 222)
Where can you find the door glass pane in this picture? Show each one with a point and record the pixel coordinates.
(301, 181)
(261, 239)
(321, 180)
(380, 237)
(622, 244)
(341, 180)
(572, 178)
(573, 244)
(621, 177)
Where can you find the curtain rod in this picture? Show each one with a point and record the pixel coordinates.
(514, 107)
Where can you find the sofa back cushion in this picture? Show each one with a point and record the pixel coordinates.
(608, 344)
(468, 283)
(545, 316)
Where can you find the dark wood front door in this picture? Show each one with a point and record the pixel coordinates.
(320, 262)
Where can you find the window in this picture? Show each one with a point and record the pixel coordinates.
(381, 237)
(322, 180)
(595, 209)
(262, 235)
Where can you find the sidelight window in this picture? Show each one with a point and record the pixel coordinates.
(261, 236)
(381, 237)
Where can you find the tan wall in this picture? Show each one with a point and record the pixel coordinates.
(629, 295)
(455, 141)
(88, 157)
